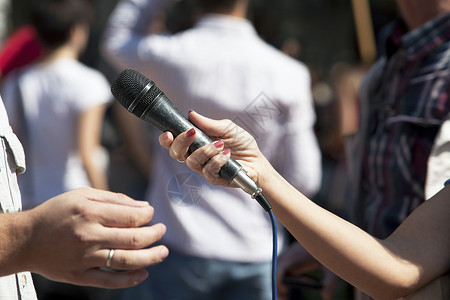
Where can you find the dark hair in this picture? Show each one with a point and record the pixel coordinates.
(54, 19)
(216, 5)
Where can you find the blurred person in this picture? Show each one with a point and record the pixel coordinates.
(5, 7)
(69, 238)
(20, 49)
(219, 244)
(56, 106)
(404, 101)
(130, 162)
(413, 262)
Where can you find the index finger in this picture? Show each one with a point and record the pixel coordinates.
(110, 197)
(117, 215)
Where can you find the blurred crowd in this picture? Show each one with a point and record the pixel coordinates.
(82, 137)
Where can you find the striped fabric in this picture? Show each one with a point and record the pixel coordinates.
(408, 101)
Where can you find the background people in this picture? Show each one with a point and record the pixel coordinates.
(222, 67)
(56, 106)
(60, 127)
(20, 49)
(403, 103)
(404, 100)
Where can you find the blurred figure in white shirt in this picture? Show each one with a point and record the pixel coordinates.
(219, 239)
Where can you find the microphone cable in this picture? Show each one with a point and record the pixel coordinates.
(260, 198)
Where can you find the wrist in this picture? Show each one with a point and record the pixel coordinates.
(265, 174)
(14, 242)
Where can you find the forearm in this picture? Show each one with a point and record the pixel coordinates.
(414, 254)
(127, 27)
(348, 251)
(96, 174)
(89, 146)
(15, 232)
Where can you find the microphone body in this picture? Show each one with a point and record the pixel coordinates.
(143, 98)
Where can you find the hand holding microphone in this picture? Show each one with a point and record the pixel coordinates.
(143, 98)
(208, 160)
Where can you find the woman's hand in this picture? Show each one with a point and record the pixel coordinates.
(228, 140)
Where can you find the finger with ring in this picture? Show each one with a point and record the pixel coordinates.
(109, 258)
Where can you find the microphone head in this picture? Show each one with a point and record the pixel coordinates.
(134, 91)
(144, 99)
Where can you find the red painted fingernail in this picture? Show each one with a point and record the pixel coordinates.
(165, 136)
(191, 110)
(218, 144)
(190, 132)
(225, 152)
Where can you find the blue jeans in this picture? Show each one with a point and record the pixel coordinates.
(181, 277)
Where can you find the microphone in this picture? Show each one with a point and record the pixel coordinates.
(140, 96)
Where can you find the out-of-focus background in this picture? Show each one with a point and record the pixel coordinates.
(325, 30)
(337, 39)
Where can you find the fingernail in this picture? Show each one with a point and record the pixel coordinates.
(218, 144)
(164, 253)
(226, 152)
(191, 110)
(190, 132)
(165, 136)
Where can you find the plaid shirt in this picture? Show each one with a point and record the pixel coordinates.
(404, 100)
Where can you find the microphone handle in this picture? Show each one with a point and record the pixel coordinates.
(166, 117)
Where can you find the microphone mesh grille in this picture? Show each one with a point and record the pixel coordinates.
(128, 86)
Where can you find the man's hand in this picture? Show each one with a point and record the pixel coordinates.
(70, 237)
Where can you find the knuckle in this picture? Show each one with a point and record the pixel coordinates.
(120, 195)
(135, 240)
(132, 220)
(172, 153)
(193, 162)
(83, 237)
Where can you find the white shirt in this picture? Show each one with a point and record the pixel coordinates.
(12, 161)
(54, 95)
(438, 169)
(221, 69)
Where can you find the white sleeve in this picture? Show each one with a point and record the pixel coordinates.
(126, 43)
(92, 90)
(438, 169)
(302, 161)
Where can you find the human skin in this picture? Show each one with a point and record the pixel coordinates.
(415, 254)
(68, 238)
